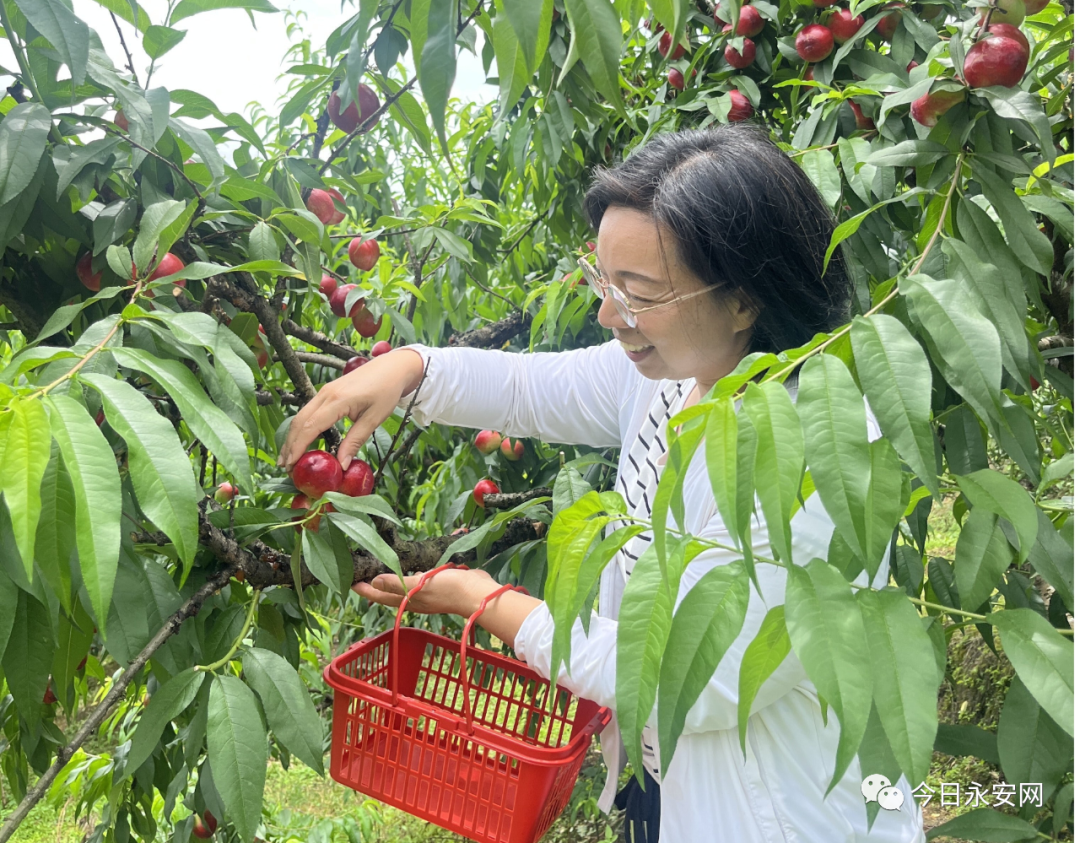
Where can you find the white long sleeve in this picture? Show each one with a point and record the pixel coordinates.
(570, 397)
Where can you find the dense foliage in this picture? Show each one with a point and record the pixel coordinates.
(133, 383)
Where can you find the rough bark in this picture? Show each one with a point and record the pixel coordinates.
(494, 335)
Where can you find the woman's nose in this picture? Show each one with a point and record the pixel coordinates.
(608, 315)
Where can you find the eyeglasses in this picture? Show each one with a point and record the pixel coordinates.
(627, 313)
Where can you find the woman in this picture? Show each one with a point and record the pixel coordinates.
(710, 246)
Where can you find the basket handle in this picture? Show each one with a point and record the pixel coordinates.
(463, 674)
(397, 624)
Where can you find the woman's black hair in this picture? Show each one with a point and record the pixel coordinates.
(745, 219)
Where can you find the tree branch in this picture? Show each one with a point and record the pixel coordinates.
(265, 397)
(115, 694)
(488, 290)
(319, 340)
(494, 335)
(127, 52)
(509, 500)
(321, 359)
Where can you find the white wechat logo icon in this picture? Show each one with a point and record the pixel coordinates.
(877, 788)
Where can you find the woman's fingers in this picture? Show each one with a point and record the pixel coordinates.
(362, 428)
(386, 590)
(321, 413)
(375, 595)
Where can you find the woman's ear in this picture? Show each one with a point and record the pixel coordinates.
(743, 313)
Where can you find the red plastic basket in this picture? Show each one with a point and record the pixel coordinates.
(456, 735)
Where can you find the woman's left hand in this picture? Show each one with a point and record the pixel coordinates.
(453, 591)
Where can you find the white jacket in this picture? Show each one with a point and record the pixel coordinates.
(595, 396)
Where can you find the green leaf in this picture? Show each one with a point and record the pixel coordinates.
(75, 633)
(91, 465)
(71, 161)
(287, 703)
(908, 153)
(457, 246)
(68, 35)
(597, 30)
(564, 526)
(22, 141)
(127, 631)
(825, 627)
(885, 502)
(988, 489)
(875, 756)
(721, 459)
(671, 14)
(731, 444)
(155, 219)
(9, 601)
(578, 570)
(56, 530)
(990, 285)
(203, 145)
(26, 456)
(820, 166)
(531, 23)
(904, 676)
(212, 427)
(361, 532)
(410, 114)
(965, 739)
(1052, 558)
(837, 450)
(568, 488)
(323, 562)
(28, 655)
(187, 8)
(366, 505)
(160, 470)
(987, 825)
(778, 459)
(237, 748)
(1030, 246)
(158, 40)
(302, 224)
(982, 556)
(166, 704)
(262, 245)
(852, 224)
(1031, 746)
(438, 63)
(127, 10)
(644, 624)
(963, 343)
(761, 659)
(14, 214)
(1043, 660)
(707, 622)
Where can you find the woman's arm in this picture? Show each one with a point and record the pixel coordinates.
(457, 592)
(573, 397)
(568, 396)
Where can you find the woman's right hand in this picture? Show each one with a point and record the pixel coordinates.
(367, 396)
